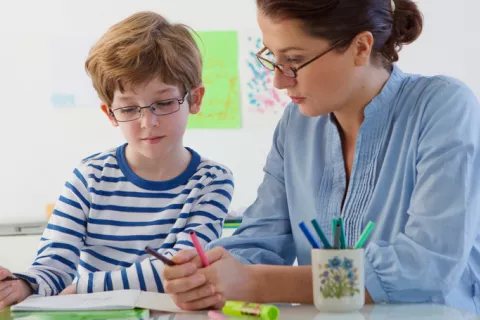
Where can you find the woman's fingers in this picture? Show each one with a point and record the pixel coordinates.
(178, 272)
(184, 256)
(184, 284)
(204, 303)
(204, 291)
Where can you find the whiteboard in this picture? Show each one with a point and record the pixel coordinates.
(41, 145)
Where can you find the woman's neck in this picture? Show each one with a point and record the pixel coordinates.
(351, 117)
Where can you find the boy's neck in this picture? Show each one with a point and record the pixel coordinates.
(159, 169)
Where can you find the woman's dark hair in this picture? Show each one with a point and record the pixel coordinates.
(337, 20)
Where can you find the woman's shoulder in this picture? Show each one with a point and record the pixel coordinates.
(436, 88)
(420, 95)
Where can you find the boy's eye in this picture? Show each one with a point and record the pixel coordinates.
(164, 103)
(129, 110)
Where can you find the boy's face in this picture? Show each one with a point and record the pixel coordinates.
(153, 135)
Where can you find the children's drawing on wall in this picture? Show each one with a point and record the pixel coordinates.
(221, 103)
(263, 96)
(261, 100)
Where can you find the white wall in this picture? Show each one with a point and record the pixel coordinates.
(41, 145)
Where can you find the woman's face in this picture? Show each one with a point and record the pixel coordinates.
(321, 87)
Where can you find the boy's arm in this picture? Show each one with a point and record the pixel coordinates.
(207, 215)
(57, 258)
(206, 219)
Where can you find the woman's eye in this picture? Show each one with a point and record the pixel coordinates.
(293, 60)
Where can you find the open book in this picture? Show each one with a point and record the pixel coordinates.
(110, 300)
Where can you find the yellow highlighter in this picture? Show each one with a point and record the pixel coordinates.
(262, 311)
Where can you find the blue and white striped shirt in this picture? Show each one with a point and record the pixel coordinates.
(107, 214)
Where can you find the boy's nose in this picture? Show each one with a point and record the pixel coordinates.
(148, 118)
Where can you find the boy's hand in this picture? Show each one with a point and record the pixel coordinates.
(71, 289)
(12, 291)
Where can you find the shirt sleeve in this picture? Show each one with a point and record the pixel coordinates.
(206, 219)
(429, 257)
(265, 235)
(58, 255)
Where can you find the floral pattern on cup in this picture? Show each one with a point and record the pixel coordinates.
(338, 278)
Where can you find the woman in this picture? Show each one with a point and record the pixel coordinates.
(361, 140)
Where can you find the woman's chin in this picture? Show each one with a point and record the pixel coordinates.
(311, 111)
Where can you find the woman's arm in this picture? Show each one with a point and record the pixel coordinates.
(428, 258)
(284, 284)
(193, 287)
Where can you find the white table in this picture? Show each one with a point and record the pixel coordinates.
(378, 312)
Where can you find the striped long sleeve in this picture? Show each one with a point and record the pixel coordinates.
(106, 216)
(55, 266)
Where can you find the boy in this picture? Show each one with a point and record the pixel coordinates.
(150, 191)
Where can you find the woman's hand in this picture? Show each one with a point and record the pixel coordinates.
(193, 287)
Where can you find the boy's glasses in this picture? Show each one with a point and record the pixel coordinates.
(159, 108)
(290, 71)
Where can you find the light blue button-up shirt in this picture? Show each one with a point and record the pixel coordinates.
(416, 174)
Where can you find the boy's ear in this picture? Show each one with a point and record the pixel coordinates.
(196, 98)
(109, 114)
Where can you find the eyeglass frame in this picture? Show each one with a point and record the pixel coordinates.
(140, 112)
(294, 69)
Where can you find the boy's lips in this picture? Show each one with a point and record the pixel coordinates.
(153, 139)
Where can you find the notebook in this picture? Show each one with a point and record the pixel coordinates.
(131, 314)
(110, 300)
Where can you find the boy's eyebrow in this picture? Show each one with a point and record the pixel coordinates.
(165, 90)
(127, 97)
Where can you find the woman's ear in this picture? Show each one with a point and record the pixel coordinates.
(363, 47)
(108, 112)
(196, 97)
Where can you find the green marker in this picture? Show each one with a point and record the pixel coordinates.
(320, 233)
(343, 238)
(334, 226)
(364, 236)
(239, 309)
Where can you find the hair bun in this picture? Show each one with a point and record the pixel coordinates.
(407, 27)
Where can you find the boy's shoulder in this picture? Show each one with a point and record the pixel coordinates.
(208, 170)
(101, 163)
(213, 167)
(107, 156)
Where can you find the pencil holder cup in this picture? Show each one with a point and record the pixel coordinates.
(338, 279)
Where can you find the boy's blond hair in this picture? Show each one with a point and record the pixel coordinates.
(140, 48)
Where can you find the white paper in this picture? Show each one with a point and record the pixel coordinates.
(111, 300)
(157, 301)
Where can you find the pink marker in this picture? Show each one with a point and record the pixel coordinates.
(213, 315)
(198, 247)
